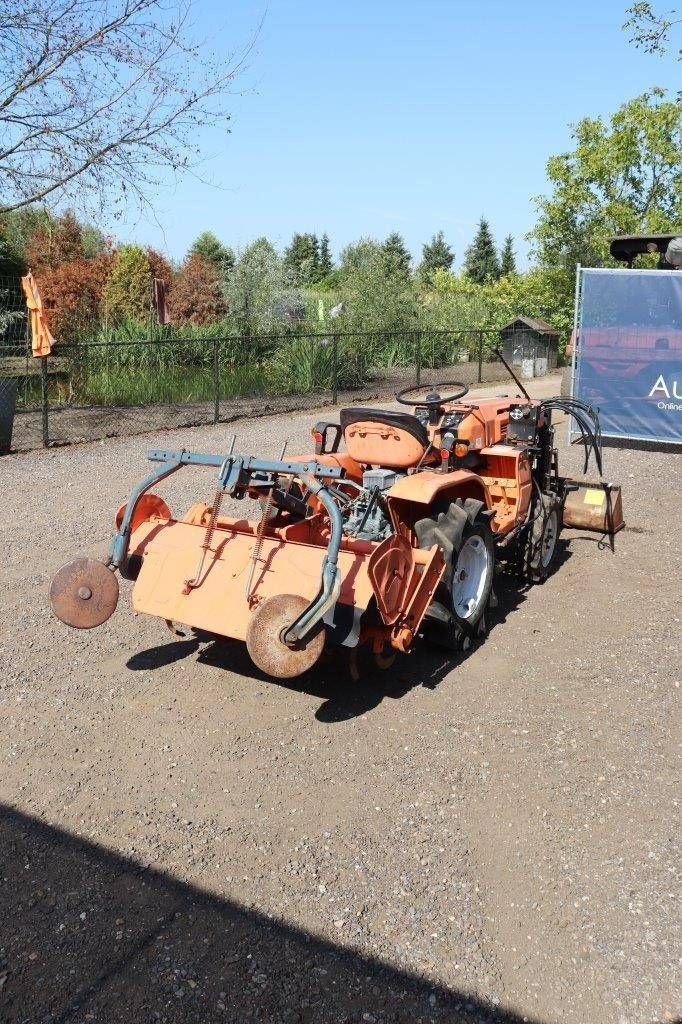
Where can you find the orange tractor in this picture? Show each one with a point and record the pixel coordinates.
(394, 533)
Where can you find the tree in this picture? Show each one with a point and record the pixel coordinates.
(480, 259)
(160, 267)
(72, 294)
(254, 286)
(436, 255)
(94, 241)
(17, 227)
(507, 258)
(375, 300)
(302, 259)
(325, 262)
(197, 295)
(71, 263)
(623, 177)
(211, 249)
(56, 240)
(99, 100)
(651, 31)
(396, 255)
(128, 291)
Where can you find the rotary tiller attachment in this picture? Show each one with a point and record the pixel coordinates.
(84, 593)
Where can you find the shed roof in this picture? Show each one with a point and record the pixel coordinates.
(539, 326)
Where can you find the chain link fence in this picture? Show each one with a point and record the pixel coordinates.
(92, 390)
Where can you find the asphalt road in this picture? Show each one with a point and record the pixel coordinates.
(492, 838)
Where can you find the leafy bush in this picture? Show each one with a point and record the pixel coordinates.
(129, 288)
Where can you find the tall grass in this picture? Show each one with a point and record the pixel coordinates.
(188, 369)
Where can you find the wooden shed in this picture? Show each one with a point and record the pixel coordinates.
(530, 345)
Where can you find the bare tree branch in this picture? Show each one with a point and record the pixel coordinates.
(100, 98)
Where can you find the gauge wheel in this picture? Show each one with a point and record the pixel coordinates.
(541, 544)
(363, 661)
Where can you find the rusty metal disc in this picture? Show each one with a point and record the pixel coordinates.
(265, 645)
(84, 593)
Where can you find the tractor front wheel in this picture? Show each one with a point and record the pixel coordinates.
(457, 617)
(471, 576)
(540, 547)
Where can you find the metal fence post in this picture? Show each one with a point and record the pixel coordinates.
(480, 357)
(418, 357)
(575, 338)
(44, 398)
(335, 369)
(216, 382)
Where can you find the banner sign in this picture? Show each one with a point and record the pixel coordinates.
(628, 360)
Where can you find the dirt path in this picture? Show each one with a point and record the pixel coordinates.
(183, 840)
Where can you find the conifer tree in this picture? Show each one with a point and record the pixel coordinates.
(436, 255)
(211, 249)
(301, 259)
(507, 258)
(129, 288)
(325, 263)
(481, 263)
(396, 255)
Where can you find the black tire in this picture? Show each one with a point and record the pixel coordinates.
(447, 624)
(541, 540)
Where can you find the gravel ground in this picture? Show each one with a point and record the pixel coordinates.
(492, 839)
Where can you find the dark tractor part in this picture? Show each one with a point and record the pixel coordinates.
(626, 248)
(523, 423)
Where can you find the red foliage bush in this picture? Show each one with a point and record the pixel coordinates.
(61, 242)
(197, 297)
(71, 294)
(161, 268)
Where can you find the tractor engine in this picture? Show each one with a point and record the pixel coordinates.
(367, 516)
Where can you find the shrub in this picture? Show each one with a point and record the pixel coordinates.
(72, 293)
(128, 290)
(197, 296)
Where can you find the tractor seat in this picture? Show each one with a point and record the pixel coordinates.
(380, 437)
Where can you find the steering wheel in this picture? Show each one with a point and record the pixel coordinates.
(431, 397)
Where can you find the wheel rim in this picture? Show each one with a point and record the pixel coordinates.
(549, 536)
(470, 578)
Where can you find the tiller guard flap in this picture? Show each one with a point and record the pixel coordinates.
(219, 603)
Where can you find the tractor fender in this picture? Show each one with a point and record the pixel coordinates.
(424, 488)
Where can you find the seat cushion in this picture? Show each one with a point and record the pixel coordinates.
(403, 420)
(378, 437)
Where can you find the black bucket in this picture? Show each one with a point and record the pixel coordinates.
(8, 402)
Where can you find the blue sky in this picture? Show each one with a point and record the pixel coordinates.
(361, 118)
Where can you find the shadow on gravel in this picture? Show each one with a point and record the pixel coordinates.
(91, 935)
(330, 680)
(164, 654)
